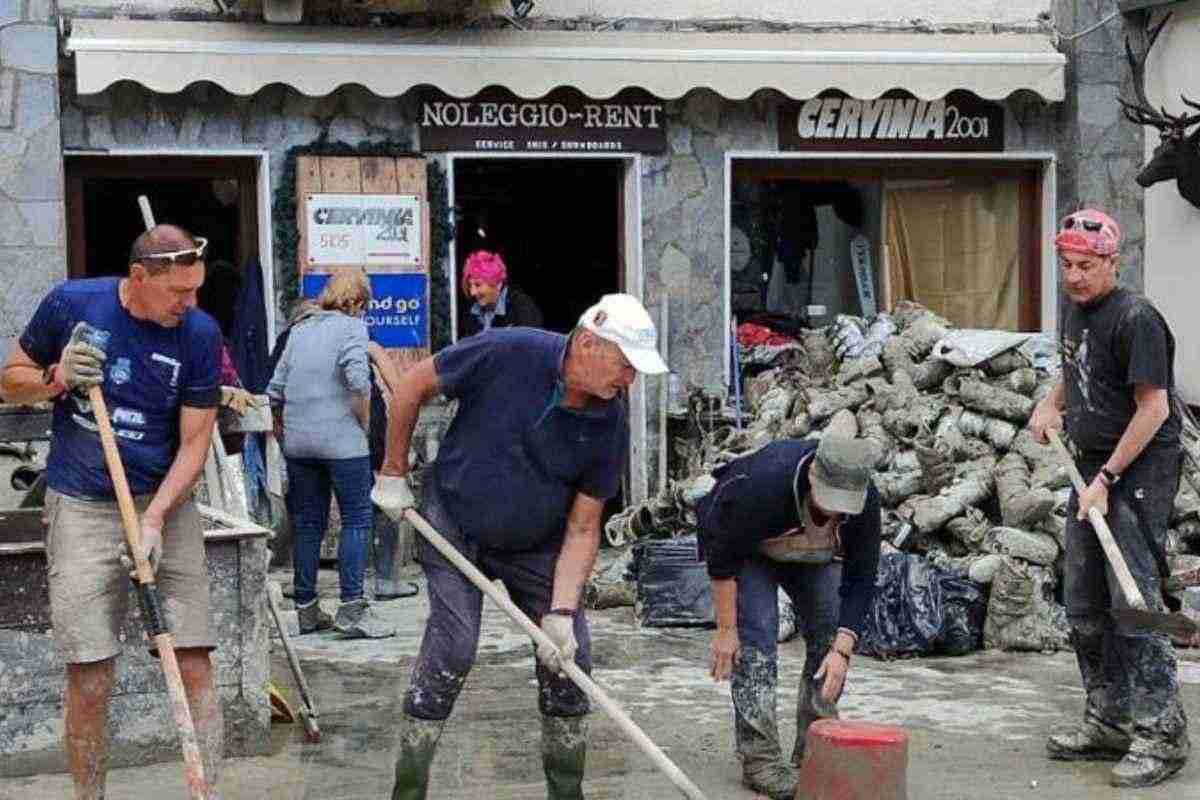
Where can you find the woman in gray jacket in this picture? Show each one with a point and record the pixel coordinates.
(322, 389)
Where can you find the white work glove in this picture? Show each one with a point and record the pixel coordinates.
(393, 495)
(81, 365)
(561, 630)
(151, 546)
(238, 399)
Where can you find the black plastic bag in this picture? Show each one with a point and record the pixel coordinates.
(673, 590)
(921, 609)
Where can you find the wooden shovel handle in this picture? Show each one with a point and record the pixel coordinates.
(572, 670)
(163, 642)
(1129, 587)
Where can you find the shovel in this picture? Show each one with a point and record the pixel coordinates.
(152, 604)
(578, 676)
(1138, 614)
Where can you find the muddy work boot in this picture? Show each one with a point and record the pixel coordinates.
(357, 620)
(1137, 770)
(312, 618)
(773, 778)
(564, 751)
(418, 742)
(757, 733)
(1089, 741)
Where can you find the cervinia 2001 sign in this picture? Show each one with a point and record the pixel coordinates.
(958, 122)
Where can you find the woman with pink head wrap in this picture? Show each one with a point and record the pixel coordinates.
(496, 303)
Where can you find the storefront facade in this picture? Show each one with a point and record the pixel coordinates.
(657, 208)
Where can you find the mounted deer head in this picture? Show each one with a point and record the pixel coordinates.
(1178, 155)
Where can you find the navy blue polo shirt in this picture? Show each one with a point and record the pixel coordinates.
(514, 456)
(150, 373)
(753, 501)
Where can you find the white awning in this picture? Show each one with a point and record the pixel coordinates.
(243, 58)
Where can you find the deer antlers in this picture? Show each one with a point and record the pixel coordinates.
(1170, 126)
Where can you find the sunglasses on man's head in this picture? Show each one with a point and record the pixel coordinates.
(1089, 225)
(182, 257)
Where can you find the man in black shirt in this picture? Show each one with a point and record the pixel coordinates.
(1117, 378)
(805, 517)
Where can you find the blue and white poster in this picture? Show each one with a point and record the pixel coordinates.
(397, 316)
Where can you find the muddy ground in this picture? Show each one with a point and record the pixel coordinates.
(977, 723)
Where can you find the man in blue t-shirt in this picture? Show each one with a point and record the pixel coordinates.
(519, 486)
(157, 361)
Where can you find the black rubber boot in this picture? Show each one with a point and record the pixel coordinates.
(418, 742)
(755, 727)
(564, 752)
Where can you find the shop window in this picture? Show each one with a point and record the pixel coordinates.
(812, 239)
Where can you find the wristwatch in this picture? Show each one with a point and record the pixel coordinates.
(1109, 477)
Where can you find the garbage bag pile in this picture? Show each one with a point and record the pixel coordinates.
(963, 483)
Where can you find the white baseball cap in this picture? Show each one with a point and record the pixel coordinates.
(621, 319)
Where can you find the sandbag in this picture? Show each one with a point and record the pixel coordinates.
(921, 609)
(1021, 612)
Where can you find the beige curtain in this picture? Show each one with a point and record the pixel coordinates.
(953, 247)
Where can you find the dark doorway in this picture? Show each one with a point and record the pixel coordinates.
(212, 197)
(556, 222)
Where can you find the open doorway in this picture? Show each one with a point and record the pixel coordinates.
(557, 223)
(213, 197)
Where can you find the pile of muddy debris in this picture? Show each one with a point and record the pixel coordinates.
(963, 483)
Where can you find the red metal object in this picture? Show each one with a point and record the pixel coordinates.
(854, 761)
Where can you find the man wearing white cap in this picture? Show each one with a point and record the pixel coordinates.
(519, 485)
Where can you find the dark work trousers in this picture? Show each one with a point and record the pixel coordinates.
(452, 632)
(813, 589)
(1129, 674)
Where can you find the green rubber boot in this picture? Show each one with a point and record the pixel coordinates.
(418, 741)
(564, 751)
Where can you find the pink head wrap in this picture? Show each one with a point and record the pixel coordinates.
(1090, 232)
(484, 266)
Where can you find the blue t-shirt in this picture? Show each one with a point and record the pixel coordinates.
(150, 372)
(514, 456)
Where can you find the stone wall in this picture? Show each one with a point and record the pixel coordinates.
(140, 726)
(1100, 152)
(32, 249)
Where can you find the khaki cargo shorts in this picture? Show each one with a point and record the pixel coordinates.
(90, 591)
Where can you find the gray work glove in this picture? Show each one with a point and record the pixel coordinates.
(151, 546)
(561, 631)
(239, 400)
(393, 495)
(81, 365)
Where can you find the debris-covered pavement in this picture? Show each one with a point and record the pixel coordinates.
(977, 723)
(969, 497)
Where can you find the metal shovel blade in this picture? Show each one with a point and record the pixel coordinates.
(1177, 624)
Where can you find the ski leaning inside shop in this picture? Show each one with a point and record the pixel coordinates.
(805, 517)
(518, 487)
